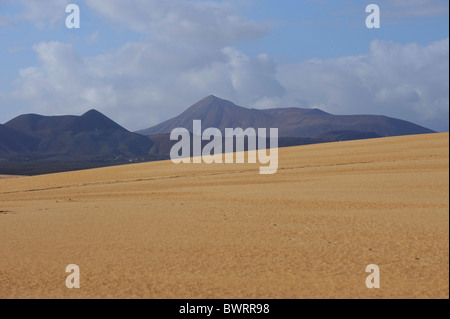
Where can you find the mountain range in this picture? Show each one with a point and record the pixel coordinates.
(35, 144)
(291, 122)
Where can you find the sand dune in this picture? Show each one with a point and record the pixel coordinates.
(159, 230)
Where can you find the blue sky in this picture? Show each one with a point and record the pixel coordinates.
(142, 62)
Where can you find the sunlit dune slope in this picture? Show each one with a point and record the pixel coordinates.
(160, 230)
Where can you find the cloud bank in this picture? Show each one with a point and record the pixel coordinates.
(406, 81)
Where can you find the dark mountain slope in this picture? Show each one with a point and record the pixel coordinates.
(48, 144)
(12, 141)
(89, 134)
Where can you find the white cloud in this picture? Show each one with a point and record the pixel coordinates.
(253, 79)
(406, 81)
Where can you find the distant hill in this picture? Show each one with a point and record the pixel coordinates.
(36, 144)
(89, 134)
(291, 122)
(39, 125)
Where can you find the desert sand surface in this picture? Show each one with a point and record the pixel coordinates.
(160, 230)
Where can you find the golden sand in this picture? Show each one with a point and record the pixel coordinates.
(160, 230)
(7, 176)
